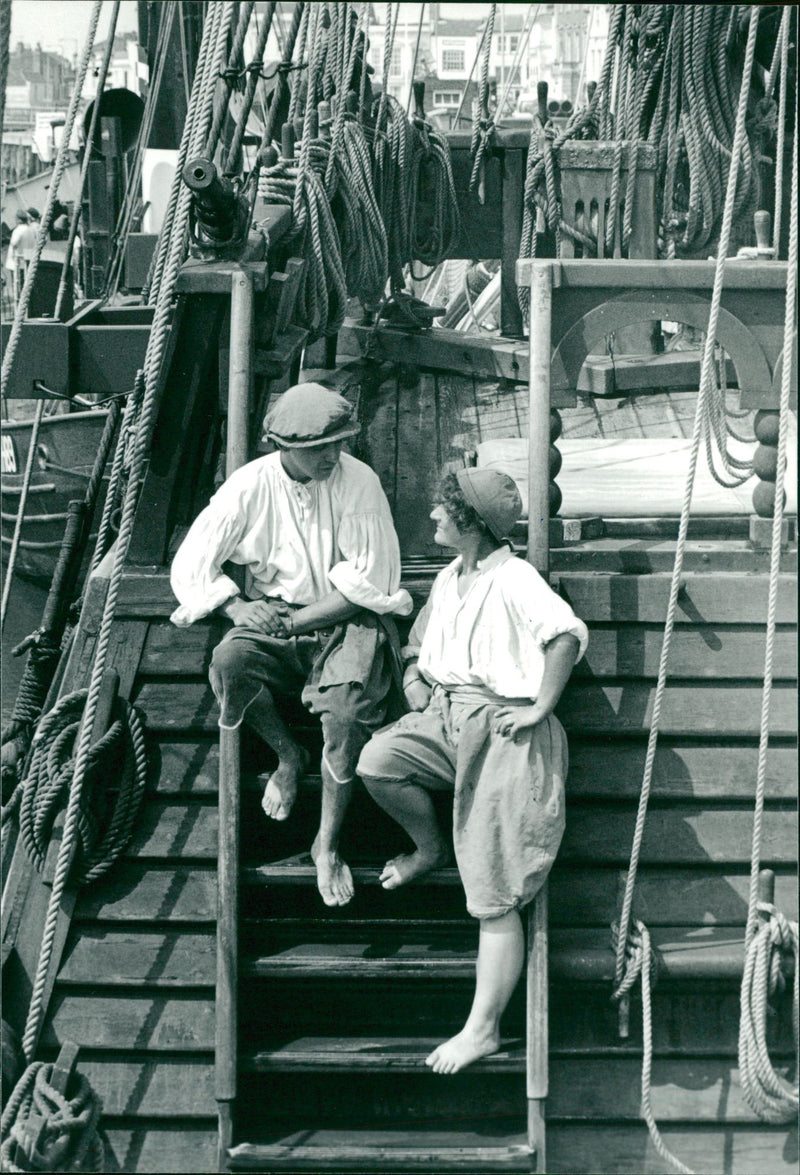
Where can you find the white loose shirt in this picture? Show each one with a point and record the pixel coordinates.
(496, 635)
(299, 541)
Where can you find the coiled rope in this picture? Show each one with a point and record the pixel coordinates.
(69, 1140)
(434, 219)
(767, 944)
(107, 810)
(195, 134)
(631, 963)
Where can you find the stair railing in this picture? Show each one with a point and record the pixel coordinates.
(226, 1048)
(536, 1016)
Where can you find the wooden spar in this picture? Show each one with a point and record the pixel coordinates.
(536, 1002)
(240, 370)
(536, 1027)
(541, 278)
(225, 1052)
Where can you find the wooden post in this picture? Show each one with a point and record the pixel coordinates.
(536, 1027)
(539, 416)
(240, 372)
(227, 939)
(240, 369)
(536, 1001)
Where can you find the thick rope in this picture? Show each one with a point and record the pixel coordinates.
(254, 71)
(230, 75)
(196, 130)
(69, 1141)
(482, 123)
(5, 36)
(47, 216)
(769, 1094)
(131, 204)
(621, 982)
(109, 786)
(783, 43)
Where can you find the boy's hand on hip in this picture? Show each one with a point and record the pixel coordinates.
(513, 720)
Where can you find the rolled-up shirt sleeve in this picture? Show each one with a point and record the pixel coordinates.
(369, 572)
(547, 614)
(196, 576)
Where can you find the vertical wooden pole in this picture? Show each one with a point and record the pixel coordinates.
(227, 938)
(539, 416)
(240, 373)
(536, 1035)
(536, 1029)
(240, 370)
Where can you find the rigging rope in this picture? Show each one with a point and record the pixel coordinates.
(21, 310)
(628, 966)
(482, 123)
(88, 151)
(768, 1093)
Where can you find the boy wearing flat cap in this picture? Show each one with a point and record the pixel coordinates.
(488, 657)
(313, 528)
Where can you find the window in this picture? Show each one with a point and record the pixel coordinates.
(453, 60)
(396, 67)
(446, 97)
(508, 44)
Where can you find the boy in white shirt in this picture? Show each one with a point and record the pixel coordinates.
(314, 529)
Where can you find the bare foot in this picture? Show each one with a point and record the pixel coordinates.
(334, 879)
(400, 870)
(281, 788)
(461, 1050)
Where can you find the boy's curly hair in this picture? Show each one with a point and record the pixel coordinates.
(449, 495)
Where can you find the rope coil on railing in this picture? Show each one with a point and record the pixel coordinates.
(102, 837)
(68, 1141)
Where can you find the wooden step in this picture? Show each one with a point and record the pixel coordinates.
(727, 597)
(617, 649)
(614, 771)
(575, 955)
(434, 1150)
(316, 1054)
(613, 709)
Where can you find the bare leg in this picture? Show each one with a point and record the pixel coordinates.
(498, 968)
(411, 806)
(281, 786)
(334, 879)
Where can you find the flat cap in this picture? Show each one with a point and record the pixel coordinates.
(310, 414)
(493, 496)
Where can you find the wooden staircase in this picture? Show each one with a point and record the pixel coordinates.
(337, 1009)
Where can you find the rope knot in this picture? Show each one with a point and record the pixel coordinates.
(637, 948)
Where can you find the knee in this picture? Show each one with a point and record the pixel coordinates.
(374, 766)
(226, 661)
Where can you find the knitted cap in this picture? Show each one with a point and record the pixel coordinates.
(310, 414)
(493, 496)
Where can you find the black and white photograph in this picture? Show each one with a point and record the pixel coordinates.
(398, 505)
